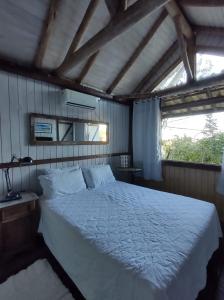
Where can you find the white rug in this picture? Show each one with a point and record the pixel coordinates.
(37, 282)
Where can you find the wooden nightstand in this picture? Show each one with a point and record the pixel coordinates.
(18, 224)
(128, 174)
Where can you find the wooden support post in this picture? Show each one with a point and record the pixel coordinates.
(185, 36)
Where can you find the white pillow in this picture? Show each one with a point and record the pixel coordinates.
(98, 175)
(62, 183)
(56, 170)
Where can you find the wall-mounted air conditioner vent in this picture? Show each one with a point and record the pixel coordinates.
(76, 99)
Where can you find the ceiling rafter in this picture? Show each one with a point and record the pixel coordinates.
(90, 62)
(174, 11)
(217, 32)
(192, 51)
(166, 72)
(192, 113)
(183, 49)
(79, 33)
(114, 7)
(202, 102)
(46, 32)
(185, 36)
(144, 42)
(203, 49)
(143, 84)
(202, 3)
(209, 30)
(119, 24)
(201, 84)
(31, 72)
(215, 50)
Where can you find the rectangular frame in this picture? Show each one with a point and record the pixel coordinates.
(33, 141)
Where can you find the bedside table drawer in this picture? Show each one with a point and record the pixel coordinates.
(13, 213)
(18, 224)
(16, 233)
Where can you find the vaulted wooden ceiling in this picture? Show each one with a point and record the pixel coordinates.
(108, 47)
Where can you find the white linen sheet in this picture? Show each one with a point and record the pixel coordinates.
(125, 242)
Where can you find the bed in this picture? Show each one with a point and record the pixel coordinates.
(121, 241)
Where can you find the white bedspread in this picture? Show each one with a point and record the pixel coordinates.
(125, 242)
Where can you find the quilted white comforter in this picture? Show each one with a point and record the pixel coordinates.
(126, 242)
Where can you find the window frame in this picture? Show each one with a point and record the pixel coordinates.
(191, 165)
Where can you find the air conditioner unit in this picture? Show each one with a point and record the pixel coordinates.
(76, 99)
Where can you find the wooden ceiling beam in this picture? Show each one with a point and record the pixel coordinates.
(191, 52)
(144, 42)
(36, 74)
(213, 50)
(174, 11)
(202, 3)
(203, 102)
(209, 30)
(124, 4)
(193, 113)
(115, 6)
(90, 62)
(185, 36)
(143, 84)
(210, 82)
(119, 24)
(216, 32)
(183, 49)
(79, 34)
(166, 72)
(46, 32)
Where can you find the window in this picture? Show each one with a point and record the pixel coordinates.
(206, 66)
(197, 138)
(176, 77)
(209, 65)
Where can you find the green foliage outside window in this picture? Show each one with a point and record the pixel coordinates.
(205, 150)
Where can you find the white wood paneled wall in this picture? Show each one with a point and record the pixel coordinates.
(20, 96)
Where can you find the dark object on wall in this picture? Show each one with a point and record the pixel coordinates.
(44, 138)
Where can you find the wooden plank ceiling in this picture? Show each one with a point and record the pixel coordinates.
(114, 49)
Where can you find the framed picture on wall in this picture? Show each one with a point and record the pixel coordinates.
(41, 127)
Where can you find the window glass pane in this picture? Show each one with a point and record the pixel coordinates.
(209, 65)
(206, 66)
(197, 138)
(177, 77)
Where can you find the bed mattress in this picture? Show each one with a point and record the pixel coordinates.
(126, 242)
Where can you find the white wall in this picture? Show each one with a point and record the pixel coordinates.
(20, 96)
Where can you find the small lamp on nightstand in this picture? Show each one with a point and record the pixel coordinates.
(12, 195)
(124, 160)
